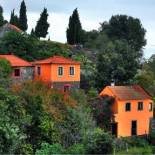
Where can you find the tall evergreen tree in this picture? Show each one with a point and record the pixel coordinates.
(41, 29)
(1, 16)
(74, 30)
(14, 20)
(23, 17)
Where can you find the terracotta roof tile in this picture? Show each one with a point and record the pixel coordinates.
(13, 27)
(15, 61)
(56, 60)
(134, 92)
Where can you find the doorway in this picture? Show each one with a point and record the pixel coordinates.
(114, 129)
(134, 128)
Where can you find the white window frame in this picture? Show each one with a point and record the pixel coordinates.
(62, 71)
(70, 70)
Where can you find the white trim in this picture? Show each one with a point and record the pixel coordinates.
(62, 71)
(69, 70)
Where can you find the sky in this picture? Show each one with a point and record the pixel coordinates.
(92, 13)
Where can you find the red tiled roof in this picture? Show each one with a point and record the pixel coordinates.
(134, 92)
(13, 27)
(15, 61)
(56, 60)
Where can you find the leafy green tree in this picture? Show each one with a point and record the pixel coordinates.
(74, 31)
(1, 16)
(5, 68)
(89, 38)
(22, 45)
(30, 48)
(41, 29)
(151, 64)
(102, 111)
(14, 20)
(77, 121)
(5, 72)
(13, 120)
(23, 17)
(99, 142)
(117, 62)
(123, 27)
(33, 33)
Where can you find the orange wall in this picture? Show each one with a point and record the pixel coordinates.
(125, 118)
(49, 73)
(66, 76)
(45, 73)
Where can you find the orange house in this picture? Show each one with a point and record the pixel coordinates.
(21, 69)
(133, 109)
(58, 72)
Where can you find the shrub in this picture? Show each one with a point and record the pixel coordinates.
(76, 149)
(47, 149)
(99, 142)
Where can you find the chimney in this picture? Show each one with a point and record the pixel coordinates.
(112, 83)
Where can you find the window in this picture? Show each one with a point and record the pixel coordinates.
(150, 106)
(38, 70)
(128, 107)
(60, 71)
(17, 72)
(140, 105)
(72, 71)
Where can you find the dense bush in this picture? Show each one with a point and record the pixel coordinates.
(99, 142)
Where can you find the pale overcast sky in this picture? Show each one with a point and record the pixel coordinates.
(92, 12)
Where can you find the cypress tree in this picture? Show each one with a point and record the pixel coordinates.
(41, 29)
(74, 31)
(33, 33)
(23, 17)
(14, 20)
(1, 16)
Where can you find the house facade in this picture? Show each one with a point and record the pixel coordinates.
(21, 69)
(58, 72)
(133, 110)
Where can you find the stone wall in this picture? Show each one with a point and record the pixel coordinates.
(60, 85)
(26, 73)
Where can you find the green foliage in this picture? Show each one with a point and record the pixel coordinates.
(30, 48)
(137, 150)
(99, 142)
(1, 16)
(74, 31)
(92, 93)
(123, 27)
(23, 17)
(41, 29)
(152, 137)
(102, 111)
(76, 149)
(146, 77)
(13, 120)
(77, 121)
(5, 68)
(14, 20)
(47, 149)
(116, 61)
